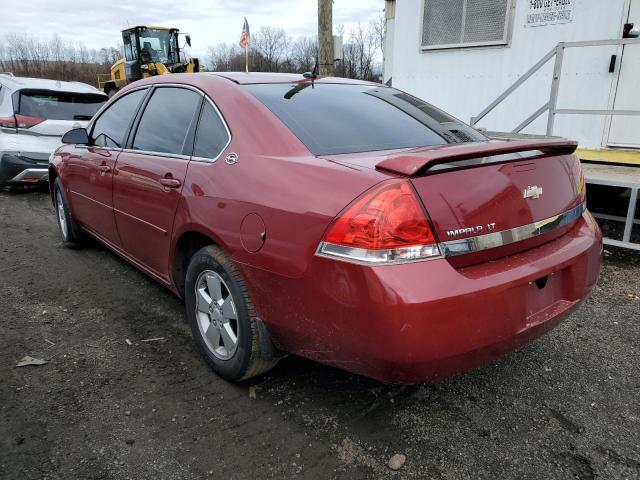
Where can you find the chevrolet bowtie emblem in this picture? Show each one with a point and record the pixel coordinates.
(532, 192)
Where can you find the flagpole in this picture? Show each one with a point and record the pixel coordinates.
(245, 38)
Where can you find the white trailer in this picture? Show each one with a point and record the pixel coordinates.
(463, 54)
(546, 67)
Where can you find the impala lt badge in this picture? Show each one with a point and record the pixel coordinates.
(532, 192)
(469, 230)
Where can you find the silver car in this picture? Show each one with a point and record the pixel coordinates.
(34, 114)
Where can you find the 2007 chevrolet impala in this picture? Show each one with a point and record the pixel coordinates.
(344, 221)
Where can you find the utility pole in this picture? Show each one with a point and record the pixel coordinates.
(325, 37)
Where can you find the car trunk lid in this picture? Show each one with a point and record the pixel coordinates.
(498, 198)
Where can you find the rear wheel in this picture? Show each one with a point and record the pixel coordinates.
(234, 342)
(70, 231)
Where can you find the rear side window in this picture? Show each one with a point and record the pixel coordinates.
(334, 119)
(59, 106)
(212, 136)
(111, 127)
(166, 120)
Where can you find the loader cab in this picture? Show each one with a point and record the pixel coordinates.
(148, 51)
(149, 45)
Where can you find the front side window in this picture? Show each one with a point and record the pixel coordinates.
(158, 45)
(465, 23)
(110, 128)
(212, 136)
(335, 119)
(166, 120)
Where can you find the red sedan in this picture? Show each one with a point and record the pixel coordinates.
(343, 221)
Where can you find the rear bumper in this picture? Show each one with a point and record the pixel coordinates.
(422, 321)
(23, 168)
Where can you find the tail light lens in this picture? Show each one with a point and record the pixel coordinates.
(23, 121)
(385, 225)
(8, 122)
(20, 121)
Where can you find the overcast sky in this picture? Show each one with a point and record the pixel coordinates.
(98, 23)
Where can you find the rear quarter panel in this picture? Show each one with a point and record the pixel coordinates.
(295, 199)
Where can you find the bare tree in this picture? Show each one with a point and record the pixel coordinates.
(224, 57)
(304, 53)
(272, 46)
(27, 55)
(379, 27)
(360, 52)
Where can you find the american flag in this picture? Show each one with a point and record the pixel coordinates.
(245, 37)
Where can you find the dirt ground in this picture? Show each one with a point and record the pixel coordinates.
(566, 406)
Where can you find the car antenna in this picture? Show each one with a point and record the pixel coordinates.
(314, 74)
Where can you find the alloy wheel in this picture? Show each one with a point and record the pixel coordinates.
(216, 315)
(62, 218)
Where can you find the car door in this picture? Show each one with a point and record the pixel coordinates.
(149, 174)
(89, 169)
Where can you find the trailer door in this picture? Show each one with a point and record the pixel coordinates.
(625, 130)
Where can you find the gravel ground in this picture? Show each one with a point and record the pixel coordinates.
(566, 406)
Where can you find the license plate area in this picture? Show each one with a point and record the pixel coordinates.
(545, 298)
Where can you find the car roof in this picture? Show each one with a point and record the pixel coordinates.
(247, 78)
(19, 83)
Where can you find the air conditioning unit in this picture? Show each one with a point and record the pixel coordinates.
(337, 47)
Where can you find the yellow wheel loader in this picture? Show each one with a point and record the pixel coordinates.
(148, 51)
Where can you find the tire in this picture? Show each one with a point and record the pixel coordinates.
(211, 275)
(71, 233)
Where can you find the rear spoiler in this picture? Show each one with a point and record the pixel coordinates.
(421, 160)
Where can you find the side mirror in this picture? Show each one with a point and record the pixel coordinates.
(188, 39)
(77, 136)
(634, 32)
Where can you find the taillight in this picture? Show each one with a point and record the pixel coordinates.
(385, 225)
(20, 121)
(8, 122)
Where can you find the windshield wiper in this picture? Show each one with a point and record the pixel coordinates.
(82, 117)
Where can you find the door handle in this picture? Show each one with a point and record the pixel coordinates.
(170, 182)
(104, 169)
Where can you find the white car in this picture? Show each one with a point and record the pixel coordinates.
(34, 114)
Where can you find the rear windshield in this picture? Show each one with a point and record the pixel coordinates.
(59, 106)
(337, 118)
